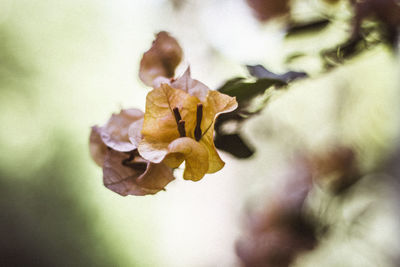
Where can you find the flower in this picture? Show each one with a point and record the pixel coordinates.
(178, 126)
(124, 171)
(138, 151)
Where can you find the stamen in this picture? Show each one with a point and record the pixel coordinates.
(127, 160)
(138, 166)
(181, 128)
(177, 115)
(199, 116)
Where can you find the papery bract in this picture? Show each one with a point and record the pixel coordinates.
(124, 171)
(115, 133)
(136, 177)
(161, 59)
(97, 148)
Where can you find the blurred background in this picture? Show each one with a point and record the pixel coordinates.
(67, 65)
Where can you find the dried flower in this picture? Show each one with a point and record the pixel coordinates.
(124, 171)
(179, 126)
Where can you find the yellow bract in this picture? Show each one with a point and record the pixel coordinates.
(161, 140)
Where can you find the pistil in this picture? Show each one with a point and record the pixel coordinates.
(179, 122)
(181, 128)
(177, 115)
(129, 162)
(199, 116)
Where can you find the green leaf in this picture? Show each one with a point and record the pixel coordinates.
(262, 73)
(296, 28)
(244, 91)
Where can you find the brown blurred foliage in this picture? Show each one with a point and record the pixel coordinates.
(267, 9)
(385, 11)
(335, 169)
(280, 230)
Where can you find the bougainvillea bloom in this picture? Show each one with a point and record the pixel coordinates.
(178, 126)
(124, 171)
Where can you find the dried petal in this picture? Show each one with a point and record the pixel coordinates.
(195, 155)
(115, 133)
(159, 126)
(161, 59)
(134, 132)
(191, 86)
(97, 148)
(159, 120)
(135, 177)
(216, 103)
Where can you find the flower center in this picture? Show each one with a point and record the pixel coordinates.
(181, 123)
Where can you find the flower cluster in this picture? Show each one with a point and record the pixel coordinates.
(138, 151)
